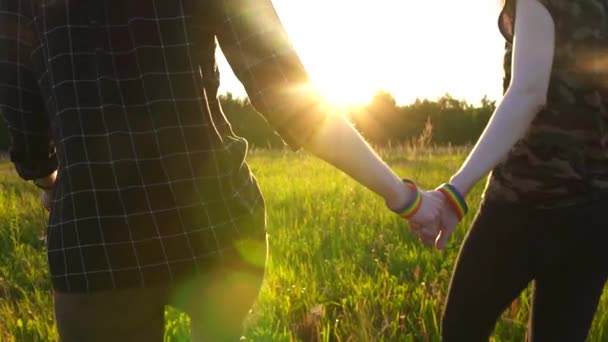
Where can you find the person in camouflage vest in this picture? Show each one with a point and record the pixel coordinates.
(541, 218)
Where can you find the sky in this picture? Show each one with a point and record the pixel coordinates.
(410, 48)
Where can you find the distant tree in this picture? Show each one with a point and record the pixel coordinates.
(481, 115)
(454, 121)
(248, 123)
(376, 121)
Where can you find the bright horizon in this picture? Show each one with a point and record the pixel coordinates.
(412, 49)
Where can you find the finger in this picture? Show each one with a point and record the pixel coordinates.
(432, 200)
(429, 233)
(426, 219)
(427, 216)
(428, 239)
(415, 227)
(445, 233)
(442, 240)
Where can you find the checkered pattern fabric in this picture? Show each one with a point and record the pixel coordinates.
(121, 98)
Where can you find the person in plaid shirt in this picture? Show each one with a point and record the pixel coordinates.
(112, 109)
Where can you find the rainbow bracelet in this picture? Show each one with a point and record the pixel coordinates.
(410, 208)
(455, 199)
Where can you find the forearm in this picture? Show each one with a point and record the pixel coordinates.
(339, 144)
(279, 88)
(508, 124)
(533, 50)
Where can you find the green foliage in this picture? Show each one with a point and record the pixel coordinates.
(342, 267)
(382, 121)
(248, 123)
(25, 292)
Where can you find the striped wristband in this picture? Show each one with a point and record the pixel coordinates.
(410, 208)
(455, 199)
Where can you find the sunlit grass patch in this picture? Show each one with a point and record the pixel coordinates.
(342, 267)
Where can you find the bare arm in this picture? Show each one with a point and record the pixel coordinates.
(338, 143)
(262, 57)
(533, 49)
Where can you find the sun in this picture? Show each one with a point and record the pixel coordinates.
(411, 49)
(342, 87)
(337, 50)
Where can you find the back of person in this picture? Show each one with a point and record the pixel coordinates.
(151, 178)
(563, 159)
(147, 159)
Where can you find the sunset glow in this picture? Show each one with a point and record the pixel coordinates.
(412, 49)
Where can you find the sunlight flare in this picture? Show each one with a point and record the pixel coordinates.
(421, 49)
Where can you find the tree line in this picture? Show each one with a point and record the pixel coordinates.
(382, 121)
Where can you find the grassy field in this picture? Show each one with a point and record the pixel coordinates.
(342, 267)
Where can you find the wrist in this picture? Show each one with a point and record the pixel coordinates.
(460, 184)
(399, 193)
(409, 202)
(455, 199)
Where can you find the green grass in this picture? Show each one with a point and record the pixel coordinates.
(342, 267)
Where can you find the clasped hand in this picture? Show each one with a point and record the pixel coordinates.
(435, 221)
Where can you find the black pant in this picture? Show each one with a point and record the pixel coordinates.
(565, 252)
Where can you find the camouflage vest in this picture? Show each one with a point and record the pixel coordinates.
(563, 159)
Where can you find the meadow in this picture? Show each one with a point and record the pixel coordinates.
(342, 267)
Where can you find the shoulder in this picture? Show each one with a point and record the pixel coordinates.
(507, 17)
(571, 18)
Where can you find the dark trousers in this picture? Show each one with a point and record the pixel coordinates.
(563, 251)
(217, 303)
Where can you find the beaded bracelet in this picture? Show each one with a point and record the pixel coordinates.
(455, 199)
(410, 208)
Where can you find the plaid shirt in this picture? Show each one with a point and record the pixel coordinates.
(121, 98)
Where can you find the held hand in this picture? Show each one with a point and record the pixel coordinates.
(430, 209)
(437, 234)
(421, 208)
(454, 209)
(448, 223)
(426, 222)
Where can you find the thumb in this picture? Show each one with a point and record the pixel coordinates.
(449, 222)
(442, 238)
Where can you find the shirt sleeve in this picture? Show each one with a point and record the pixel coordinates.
(261, 55)
(21, 105)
